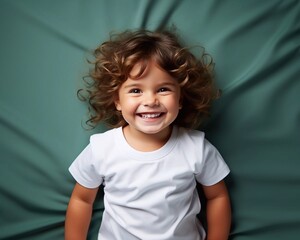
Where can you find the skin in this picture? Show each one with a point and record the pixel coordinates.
(79, 212)
(218, 211)
(149, 105)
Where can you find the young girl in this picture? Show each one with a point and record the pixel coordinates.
(153, 92)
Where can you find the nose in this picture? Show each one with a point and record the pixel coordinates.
(150, 100)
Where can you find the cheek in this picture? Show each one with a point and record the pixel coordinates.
(128, 105)
(174, 103)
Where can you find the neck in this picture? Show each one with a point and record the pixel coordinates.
(146, 142)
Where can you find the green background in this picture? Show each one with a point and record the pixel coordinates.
(255, 124)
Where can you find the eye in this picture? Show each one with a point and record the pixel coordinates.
(135, 90)
(163, 89)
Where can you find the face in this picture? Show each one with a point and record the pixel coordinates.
(150, 103)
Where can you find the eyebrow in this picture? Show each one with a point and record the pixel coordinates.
(138, 84)
(132, 85)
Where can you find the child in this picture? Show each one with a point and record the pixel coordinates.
(153, 92)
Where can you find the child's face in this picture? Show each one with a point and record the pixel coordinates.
(151, 103)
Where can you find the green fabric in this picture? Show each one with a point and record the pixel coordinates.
(255, 124)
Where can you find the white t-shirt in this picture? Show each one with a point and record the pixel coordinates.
(150, 195)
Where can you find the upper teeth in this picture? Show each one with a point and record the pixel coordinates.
(150, 115)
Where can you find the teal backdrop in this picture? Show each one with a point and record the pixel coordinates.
(255, 124)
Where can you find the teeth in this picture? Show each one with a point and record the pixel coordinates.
(150, 115)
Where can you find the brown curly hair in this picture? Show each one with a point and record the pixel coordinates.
(115, 58)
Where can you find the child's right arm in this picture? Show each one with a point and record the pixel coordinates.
(79, 212)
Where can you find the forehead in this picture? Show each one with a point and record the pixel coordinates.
(150, 69)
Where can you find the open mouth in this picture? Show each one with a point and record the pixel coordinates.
(150, 115)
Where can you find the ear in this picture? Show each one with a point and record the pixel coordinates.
(118, 105)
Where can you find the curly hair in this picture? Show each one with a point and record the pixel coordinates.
(115, 58)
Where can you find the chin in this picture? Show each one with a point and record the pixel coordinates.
(153, 131)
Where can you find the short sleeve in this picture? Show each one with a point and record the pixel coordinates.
(214, 168)
(84, 171)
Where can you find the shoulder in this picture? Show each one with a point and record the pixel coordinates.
(208, 164)
(191, 142)
(106, 136)
(104, 141)
(191, 135)
(194, 141)
(195, 136)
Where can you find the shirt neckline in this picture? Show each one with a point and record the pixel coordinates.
(146, 156)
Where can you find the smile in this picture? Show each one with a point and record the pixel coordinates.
(150, 115)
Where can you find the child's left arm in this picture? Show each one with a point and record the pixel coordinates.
(218, 211)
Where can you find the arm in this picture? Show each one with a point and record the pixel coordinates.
(218, 211)
(79, 212)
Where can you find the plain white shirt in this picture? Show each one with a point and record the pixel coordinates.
(150, 195)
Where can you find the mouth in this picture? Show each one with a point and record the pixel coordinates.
(150, 115)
